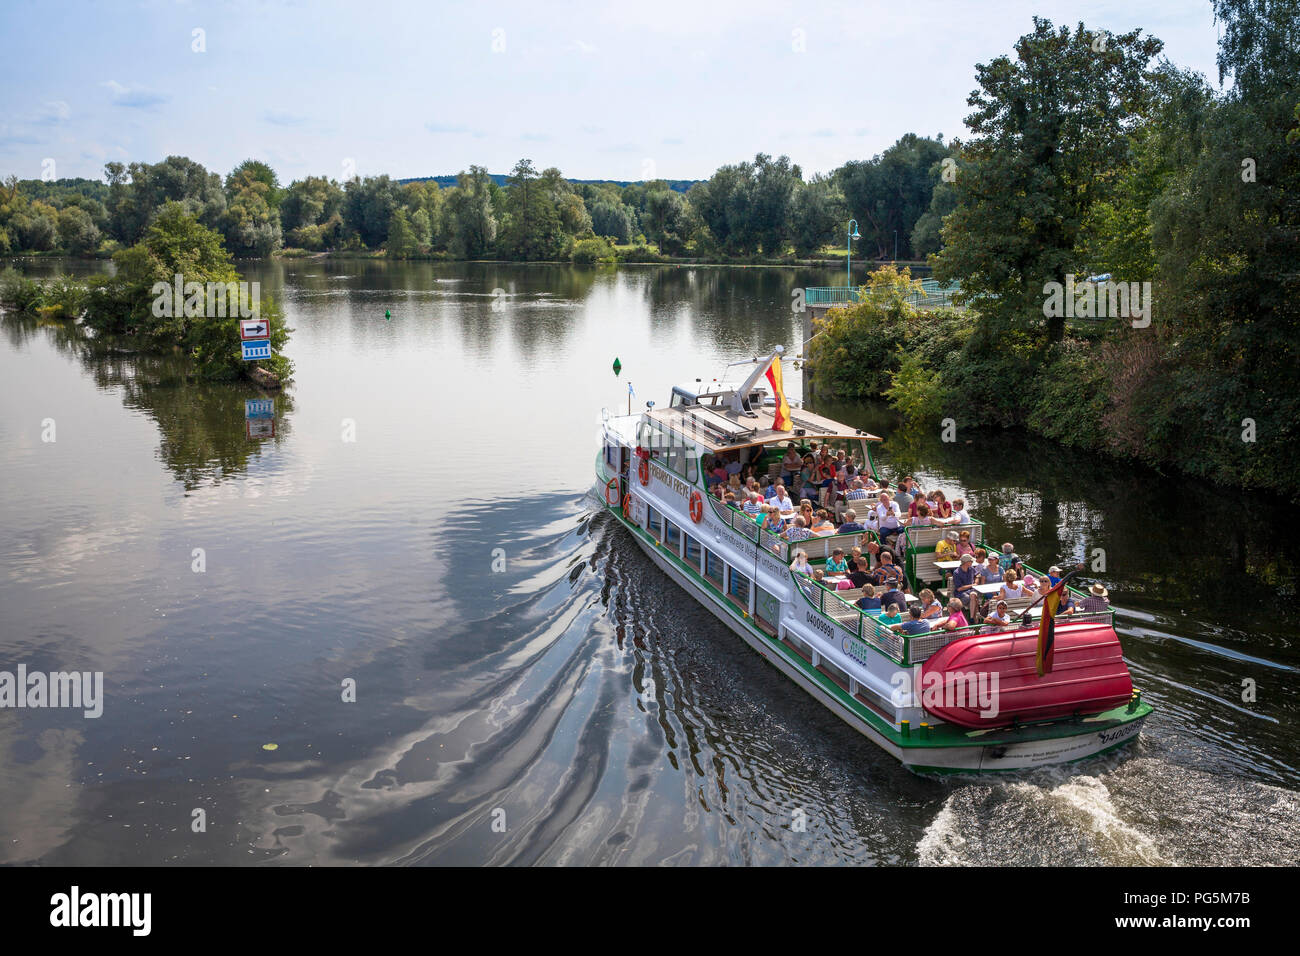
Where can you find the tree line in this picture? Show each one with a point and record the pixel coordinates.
(1090, 154)
(763, 207)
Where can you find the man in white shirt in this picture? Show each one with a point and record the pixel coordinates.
(888, 516)
(959, 513)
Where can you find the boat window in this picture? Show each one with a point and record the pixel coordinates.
(653, 522)
(672, 536)
(738, 587)
(692, 553)
(767, 609)
(713, 568)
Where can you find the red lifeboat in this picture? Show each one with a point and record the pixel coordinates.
(1088, 675)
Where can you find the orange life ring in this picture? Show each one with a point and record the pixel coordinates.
(627, 506)
(611, 485)
(643, 471)
(697, 507)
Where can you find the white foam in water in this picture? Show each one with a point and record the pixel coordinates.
(1087, 801)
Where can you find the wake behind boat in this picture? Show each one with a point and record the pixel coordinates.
(934, 688)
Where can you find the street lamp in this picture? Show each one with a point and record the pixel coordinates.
(848, 262)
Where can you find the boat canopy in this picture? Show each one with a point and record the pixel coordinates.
(717, 428)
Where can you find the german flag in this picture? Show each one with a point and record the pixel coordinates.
(781, 420)
(1047, 629)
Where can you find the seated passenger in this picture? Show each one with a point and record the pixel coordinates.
(941, 508)
(891, 616)
(850, 525)
(913, 624)
(806, 512)
(1000, 618)
(1098, 600)
(1054, 575)
(868, 601)
(790, 464)
(964, 579)
(819, 576)
(887, 572)
(782, 500)
(730, 499)
(753, 504)
(856, 491)
(959, 511)
(946, 547)
(991, 573)
(893, 594)
(963, 544)
(773, 523)
(1024, 575)
(824, 526)
(798, 531)
(836, 564)
(956, 618)
(1067, 605)
(800, 563)
(922, 517)
(858, 574)
(930, 608)
(1012, 588)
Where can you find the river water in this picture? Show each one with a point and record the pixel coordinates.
(528, 687)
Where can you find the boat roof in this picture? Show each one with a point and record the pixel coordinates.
(724, 429)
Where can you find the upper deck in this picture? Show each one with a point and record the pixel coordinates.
(718, 428)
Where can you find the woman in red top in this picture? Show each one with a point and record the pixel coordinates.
(941, 507)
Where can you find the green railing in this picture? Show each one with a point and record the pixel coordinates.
(931, 295)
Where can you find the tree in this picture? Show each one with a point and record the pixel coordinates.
(78, 233)
(472, 222)
(816, 214)
(368, 206)
(309, 204)
(889, 193)
(533, 228)
(1049, 130)
(401, 238)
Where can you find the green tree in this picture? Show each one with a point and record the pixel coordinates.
(471, 220)
(816, 214)
(401, 243)
(1050, 127)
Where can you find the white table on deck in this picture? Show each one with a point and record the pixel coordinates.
(947, 565)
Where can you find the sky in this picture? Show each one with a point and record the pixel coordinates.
(620, 89)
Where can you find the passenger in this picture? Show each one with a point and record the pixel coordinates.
(1012, 588)
(946, 547)
(733, 482)
(754, 504)
(869, 601)
(836, 564)
(903, 498)
(922, 517)
(893, 595)
(1097, 601)
(941, 508)
(1025, 576)
(891, 616)
(850, 525)
(959, 511)
(1054, 575)
(730, 499)
(956, 618)
(888, 517)
(1067, 605)
(718, 472)
(824, 525)
(790, 464)
(819, 575)
(770, 491)
(963, 544)
(800, 563)
(734, 464)
(1000, 619)
(887, 572)
(782, 500)
(808, 479)
(798, 530)
(860, 576)
(913, 624)
(773, 523)
(964, 579)
(930, 608)
(806, 512)
(992, 573)
(856, 492)
(1008, 555)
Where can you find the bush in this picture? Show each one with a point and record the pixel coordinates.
(916, 392)
(19, 293)
(592, 250)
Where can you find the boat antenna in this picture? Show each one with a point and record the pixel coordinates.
(740, 397)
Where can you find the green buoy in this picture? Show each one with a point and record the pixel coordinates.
(388, 315)
(618, 366)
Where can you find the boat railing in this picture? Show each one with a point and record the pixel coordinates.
(849, 617)
(815, 547)
(923, 646)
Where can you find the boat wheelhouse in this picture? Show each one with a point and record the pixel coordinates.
(960, 700)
